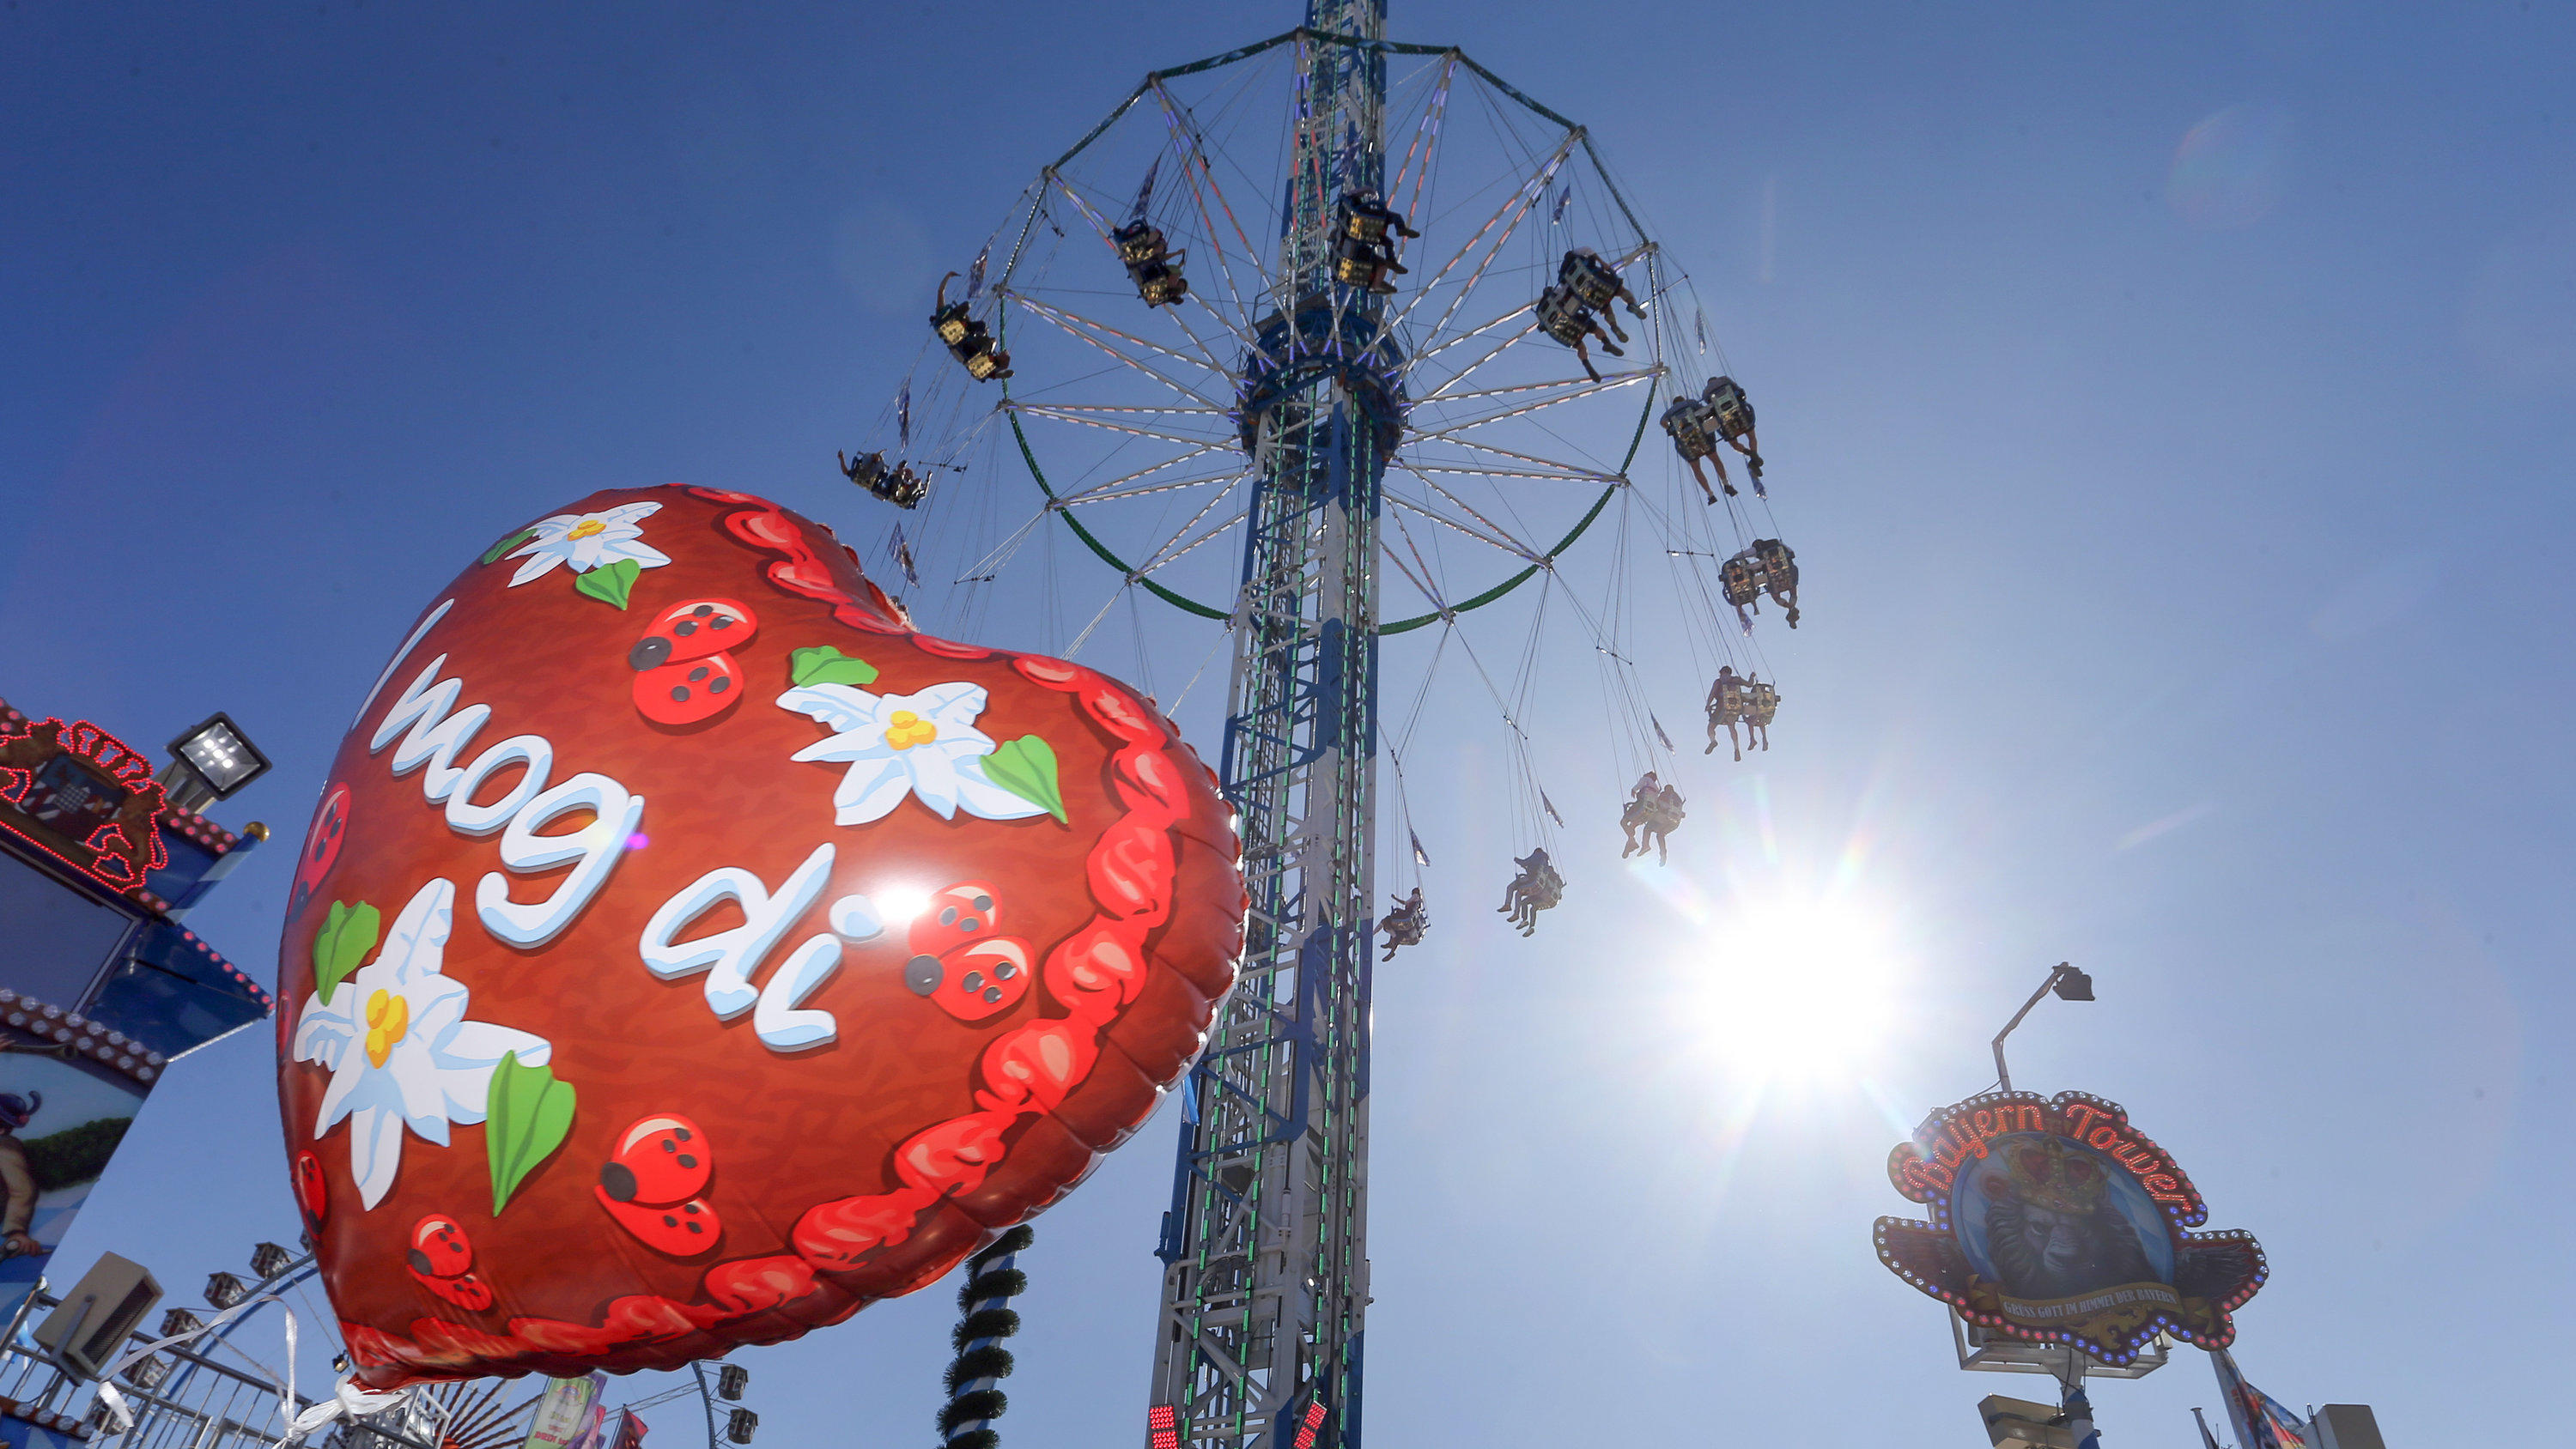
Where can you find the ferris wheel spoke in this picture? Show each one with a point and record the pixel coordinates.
(1200, 176)
(1481, 447)
(1489, 354)
(1582, 385)
(1559, 474)
(1516, 314)
(1061, 415)
(1172, 462)
(1508, 217)
(1464, 507)
(1506, 544)
(1426, 135)
(1084, 328)
(1173, 548)
(1581, 388)
(1091, 496)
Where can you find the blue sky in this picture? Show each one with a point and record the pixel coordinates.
(2183, 523)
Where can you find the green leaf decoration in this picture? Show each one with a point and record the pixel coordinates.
(525, 1117)
(348, 933)
(612, 582)
(824, 664)
(493, 554)
(1026, 768)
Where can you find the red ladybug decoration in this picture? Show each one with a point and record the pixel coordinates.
(690, 691)
(312, 1191)
(693, 629)
(321, 847)
(442, 1261)
(664, 1158)
(580, 931)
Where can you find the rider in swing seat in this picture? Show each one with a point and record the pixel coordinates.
(1692, 428)
(1562, 316)
(1597, 283)
(967, 339)
(1734, 416)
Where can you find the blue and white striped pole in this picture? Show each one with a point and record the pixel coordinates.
(975, 1398)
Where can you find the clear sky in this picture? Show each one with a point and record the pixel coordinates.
(2184, 521)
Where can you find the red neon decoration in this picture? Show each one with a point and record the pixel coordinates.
(2014, 1179)
(84, 797)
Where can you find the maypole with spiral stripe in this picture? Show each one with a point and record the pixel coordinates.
(975, 1398)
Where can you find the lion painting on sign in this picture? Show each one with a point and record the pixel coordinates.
(2054, 1228)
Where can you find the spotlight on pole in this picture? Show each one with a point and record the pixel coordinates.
(211, 762)
(2072, 984)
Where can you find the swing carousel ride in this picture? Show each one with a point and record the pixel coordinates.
(1342, 352)
(1359, 358)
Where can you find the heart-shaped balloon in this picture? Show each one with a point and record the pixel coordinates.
(689, 952)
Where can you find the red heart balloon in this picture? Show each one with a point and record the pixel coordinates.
(698, 953)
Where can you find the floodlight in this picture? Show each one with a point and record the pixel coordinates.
(2073, 985)
(219, 757)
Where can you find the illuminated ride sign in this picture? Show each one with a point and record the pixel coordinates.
(2055, 1221)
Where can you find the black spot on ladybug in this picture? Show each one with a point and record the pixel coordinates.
(722, 622)
(1005, 971)
(680, 1134)
(669, 1221)
(948, 917)
(690, 1208)
(720, 686)
(973, 983)
(983, 903)
(921, 973)
(680, 692)
(420, 1261)
(697, 674)
(969, 924)
(669, 1146)
(701, 611)
(687, 1161)
(697, 1227)
(992, 993)
(617, 1181)
(649, 653)
(685, 628)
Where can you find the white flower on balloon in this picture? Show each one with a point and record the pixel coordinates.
(586, 541)
(923, 744)
(400, 1052)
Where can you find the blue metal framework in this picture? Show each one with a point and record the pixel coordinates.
(1266, 1244)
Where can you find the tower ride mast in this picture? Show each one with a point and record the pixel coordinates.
(1265, 1285)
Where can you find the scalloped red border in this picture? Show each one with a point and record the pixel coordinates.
(1093, 974)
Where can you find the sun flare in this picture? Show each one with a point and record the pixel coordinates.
(1794, 988)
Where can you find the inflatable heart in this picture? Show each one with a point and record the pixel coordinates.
(689, 952)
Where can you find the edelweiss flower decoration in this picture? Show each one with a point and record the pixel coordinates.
(401, 1054)
(606, 550)
(925, 745)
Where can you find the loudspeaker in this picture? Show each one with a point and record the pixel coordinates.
(87, 1332)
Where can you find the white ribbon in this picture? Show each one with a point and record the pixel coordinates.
(348, 1399)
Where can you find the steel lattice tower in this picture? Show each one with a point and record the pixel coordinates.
(1265, 1248)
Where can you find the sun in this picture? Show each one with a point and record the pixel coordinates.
(1791, 987)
